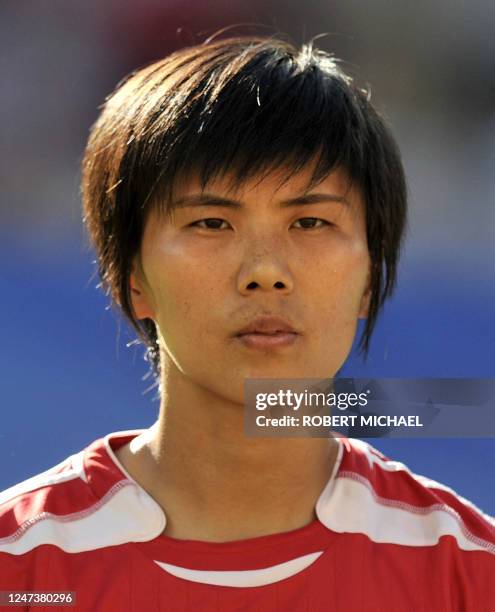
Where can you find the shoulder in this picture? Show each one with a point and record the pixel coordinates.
(83, 503)
(62, 490)
(389, 503)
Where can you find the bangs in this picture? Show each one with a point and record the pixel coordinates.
(274, 113)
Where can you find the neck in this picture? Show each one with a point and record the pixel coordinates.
(214, 483)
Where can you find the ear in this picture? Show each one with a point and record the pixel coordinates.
(141, 302)
(364, 305)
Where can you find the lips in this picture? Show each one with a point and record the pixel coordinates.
(268, 332)
(268, 325)
(279, 339)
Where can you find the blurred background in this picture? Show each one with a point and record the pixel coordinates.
(67, 376)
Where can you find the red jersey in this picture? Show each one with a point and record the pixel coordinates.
(385, 540)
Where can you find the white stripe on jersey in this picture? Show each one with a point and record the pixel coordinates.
(394, 466)
(354, 507)
(125, 514)
(243, 578)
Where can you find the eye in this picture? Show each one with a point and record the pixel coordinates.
(312, 219)
(207, 221)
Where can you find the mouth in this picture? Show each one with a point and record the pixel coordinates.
(268, 331)
(262, 340)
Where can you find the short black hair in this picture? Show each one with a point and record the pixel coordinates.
(243, 105)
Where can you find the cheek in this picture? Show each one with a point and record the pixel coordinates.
(339, 273)
(185, 289)
(338, 291)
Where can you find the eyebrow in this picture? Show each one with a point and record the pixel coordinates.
(210, 199)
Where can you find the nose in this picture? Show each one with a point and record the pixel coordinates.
(265, 269)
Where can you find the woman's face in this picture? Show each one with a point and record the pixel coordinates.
(268, 248)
